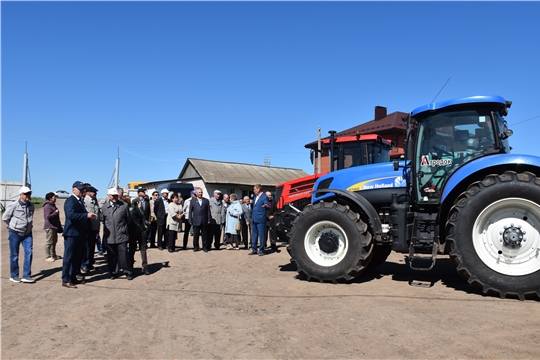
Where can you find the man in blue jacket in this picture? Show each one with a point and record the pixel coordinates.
(75, 232)
(258, 220)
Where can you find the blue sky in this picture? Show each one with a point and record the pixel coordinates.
(240, 81)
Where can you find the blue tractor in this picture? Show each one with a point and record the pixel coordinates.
(458, 192)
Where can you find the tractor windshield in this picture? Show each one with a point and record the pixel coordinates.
(446, 141)
(356, 154)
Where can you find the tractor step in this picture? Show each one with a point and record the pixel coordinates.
(428, 261)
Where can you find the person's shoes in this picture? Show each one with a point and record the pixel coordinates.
(50, 259)
(252, 253)
(196, 249)
(79, 277)
(79, 282)
(205, 250)
(28, 279)
(69, 285)
(237, 248)
(160, 248)
(171, 250)
(57, 257)
(261, 253)
(229, 247)
(184, 247)
(15, 279)
(146, 271)
(129, 276)
(84, 270)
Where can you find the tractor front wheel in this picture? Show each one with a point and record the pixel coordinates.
(329, 242)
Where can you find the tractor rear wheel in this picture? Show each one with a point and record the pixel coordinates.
(494, 235)
(329, 242)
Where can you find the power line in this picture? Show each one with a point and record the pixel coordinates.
(524, 121)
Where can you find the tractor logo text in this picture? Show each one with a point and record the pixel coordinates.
(435, 162)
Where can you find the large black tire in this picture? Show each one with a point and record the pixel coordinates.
(493, 231)
(329, 243)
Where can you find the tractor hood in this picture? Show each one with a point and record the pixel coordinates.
(366, 177)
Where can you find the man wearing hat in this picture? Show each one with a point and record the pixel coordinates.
(116, 219)
(19, 217)
(187, 227)
(75, 233)
(216, 209)
(92, 206)
(161, 206)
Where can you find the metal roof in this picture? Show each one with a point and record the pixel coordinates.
(219, 172)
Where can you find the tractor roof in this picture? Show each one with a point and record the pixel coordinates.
(459, 101)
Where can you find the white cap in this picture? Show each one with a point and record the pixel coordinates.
(24, 190)
(164, 191)
(217, 192)
(112, 191)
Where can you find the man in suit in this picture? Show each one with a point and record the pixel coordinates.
(161, 207)
(145, 207)
(187, 227)
(199, 218)
(271, 223)
(75, 232)
(152, 229)
(258, 220)
(245, 221)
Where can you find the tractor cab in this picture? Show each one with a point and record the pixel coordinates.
(449, 136)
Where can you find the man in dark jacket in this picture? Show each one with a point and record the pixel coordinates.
(75, 232)
(245, 220)
(116, 219)
(160, 209)
(199, 218)
(51, 225)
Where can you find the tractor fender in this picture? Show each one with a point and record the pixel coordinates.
(513, 161)
(356, 198)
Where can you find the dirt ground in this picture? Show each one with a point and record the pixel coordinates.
(226, 304)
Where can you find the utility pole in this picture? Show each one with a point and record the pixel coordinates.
(319, 153)
(25, 166)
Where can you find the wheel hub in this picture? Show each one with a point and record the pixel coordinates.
(329, 242)
(513, 236)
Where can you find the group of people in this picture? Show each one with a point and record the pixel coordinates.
(131, 225)
(221, 220)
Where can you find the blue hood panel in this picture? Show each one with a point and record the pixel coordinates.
(366, 177)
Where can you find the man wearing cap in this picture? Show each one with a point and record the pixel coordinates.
(199, 218)
(75, 232)
(92, 238)
(19, 216)
(187, 228)
(160, 209)
(216, 209)
(116, 234)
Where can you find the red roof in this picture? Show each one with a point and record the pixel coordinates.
(389, 124)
